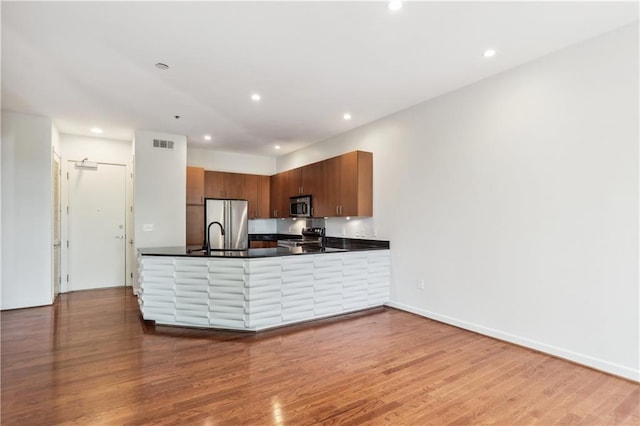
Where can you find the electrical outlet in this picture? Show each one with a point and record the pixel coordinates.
(375, 232)
(344, 231)
(421, 284)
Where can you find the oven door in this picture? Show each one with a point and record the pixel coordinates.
(288, 243)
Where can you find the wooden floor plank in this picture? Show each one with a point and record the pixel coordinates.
(90, 359)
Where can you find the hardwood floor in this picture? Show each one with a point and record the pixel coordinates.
(90, 359)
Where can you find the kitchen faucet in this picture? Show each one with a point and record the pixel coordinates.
(208, 241)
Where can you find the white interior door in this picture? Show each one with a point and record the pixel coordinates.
(56, 226)
(96, 226)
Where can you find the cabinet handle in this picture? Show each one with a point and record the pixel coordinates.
(338, 210)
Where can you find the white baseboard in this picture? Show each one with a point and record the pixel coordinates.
(598, 364)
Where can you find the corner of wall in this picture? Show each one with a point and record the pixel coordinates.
(159, 190)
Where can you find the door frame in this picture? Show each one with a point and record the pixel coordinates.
(56, 286)
(129, 235)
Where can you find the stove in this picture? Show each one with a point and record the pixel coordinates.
(311, 237)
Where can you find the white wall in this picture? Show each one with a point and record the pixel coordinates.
(101, 150)
(160, 190)
(231, 162)
(26, 211)
(516, 200)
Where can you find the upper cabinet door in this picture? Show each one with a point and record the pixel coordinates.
(279, 200)
(195, 185)
(224, 185)
(316, 178)
(234, 185)
(251, 192)
(264, 199)
(348, 184)
(312, 179)
(331, 205)
(294, 182)
(356, 184)
(348, 189)
(213, 184)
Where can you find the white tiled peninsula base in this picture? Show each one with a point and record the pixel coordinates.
(259, 293)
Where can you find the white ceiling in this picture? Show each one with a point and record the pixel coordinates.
(87, 64)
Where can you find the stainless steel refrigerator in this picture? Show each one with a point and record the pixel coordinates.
(233, 216)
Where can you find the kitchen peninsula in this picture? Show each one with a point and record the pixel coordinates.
(261, 288)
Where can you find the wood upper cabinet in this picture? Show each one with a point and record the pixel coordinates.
(294, 182)
(304, 180)
(349, 185)
(264, 197)
(339, 186)
(234, 185)
(279, 199)
(257, 192)
(251, 191)
(213, 184)
(195, 185)
(314, 182)
(224, 185)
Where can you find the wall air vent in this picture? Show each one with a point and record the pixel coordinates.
(159, 143)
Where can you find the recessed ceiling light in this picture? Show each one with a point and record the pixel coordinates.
(347, 116)
(96, 130)
(394, 6)
(277, 147)
(256, 97)
(162, 66)
(489, 53)
(207, 137)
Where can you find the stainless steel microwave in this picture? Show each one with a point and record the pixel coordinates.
(300, 206)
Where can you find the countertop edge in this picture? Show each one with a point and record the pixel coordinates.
(250, 253)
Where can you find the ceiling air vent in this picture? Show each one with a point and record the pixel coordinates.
(159, 143)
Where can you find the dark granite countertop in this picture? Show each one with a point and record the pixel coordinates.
(250, 253)
(334, 245)
(273, 237)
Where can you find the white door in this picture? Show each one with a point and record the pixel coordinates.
(96, 226)
(56, 225)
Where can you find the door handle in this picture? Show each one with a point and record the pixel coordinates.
(119, 237)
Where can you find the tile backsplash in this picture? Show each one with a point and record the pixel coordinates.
(263, 226)
(357, 227)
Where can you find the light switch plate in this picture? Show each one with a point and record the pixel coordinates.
(147, 227)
